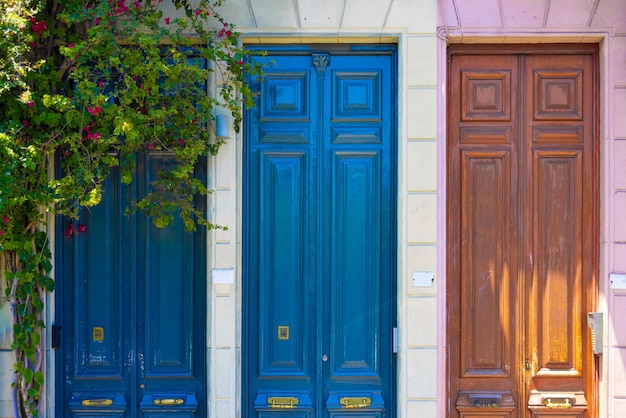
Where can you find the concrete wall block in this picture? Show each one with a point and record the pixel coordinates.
(420, 258)
(421, 324)
(422, 165)
(421, 375)
(422, 409)
(620, 111)
(422, 113)
(422, 60)
(619, 156)
(417, 16)
(619, 375)
(421, 219)
(224, 321)
(619, 221)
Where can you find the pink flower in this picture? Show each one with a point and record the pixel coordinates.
(167, 20)
(101, 84)
(94, 136)
(137, 5)
(151, 146)
(30, 104)
(71, 45)
(0, 232)
(6, 219)
(25, 123)
(38, 26)
(181, 141)
(94, 110)
(82, 228)
(69, 231)
(198, 12)
(97, 21)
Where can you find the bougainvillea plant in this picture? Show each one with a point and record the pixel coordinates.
(86, 85)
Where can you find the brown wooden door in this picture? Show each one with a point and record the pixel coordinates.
(522, 231)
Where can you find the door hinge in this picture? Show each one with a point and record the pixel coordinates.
(56, 336)
(394, 340)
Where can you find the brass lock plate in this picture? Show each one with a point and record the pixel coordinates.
(283, 332)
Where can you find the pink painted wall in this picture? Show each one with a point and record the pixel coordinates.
(575, 21)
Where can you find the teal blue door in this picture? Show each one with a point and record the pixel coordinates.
(319, 235)
(131, 304)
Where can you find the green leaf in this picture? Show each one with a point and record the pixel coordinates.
(28, 375)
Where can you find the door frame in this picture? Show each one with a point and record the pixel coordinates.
(281, 48)
(592, 294)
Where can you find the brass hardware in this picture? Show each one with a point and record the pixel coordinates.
(142, 386)
(358, 402)
(97, 402)
(283, 402)
(283, 332)
(168, 401)
(527, 365)
(97, 333)
(558, 403)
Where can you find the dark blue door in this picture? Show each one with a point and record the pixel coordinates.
(319, 238)
(131, 303)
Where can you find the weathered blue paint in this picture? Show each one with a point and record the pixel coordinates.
(131, 301)
(319, 234)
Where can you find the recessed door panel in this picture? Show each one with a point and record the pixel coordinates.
(318, 252)
(522, 231)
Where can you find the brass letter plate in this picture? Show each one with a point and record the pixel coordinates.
(357, 402)
(97, 402)
(168, 401)
(283, 332)
(558, 402)
(282, 402)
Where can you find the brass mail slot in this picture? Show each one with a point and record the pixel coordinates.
(356, 402)
(282, 402)
(558, 402)
(168, 401)
(97, 402)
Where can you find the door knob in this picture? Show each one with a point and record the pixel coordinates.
(324, 357)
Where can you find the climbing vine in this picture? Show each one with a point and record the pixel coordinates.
(85, 85)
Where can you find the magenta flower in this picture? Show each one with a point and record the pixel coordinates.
(151, 146)
(167, 20)
(69, 231)
(0, 232)
(82, 228)
(94, 136)
(25, 123)
(94, 110)
(137, 5)
(6, 219)
(30, 104)
(71, 45)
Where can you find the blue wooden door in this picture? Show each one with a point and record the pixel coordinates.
(319, 238)
(131, 302)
